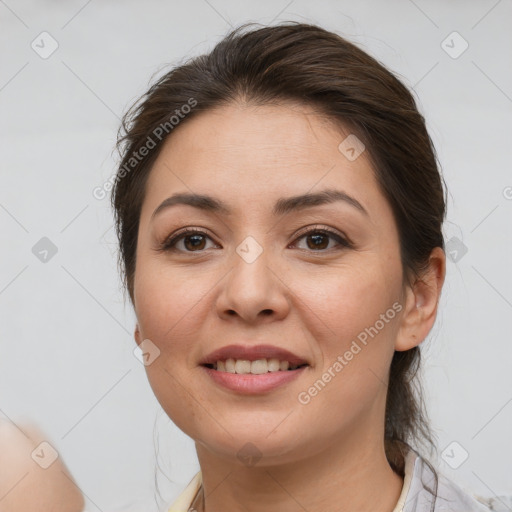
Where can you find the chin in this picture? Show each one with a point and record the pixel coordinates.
(254, 446)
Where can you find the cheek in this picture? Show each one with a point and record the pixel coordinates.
(168, 303)
(354, 321)
(345, 302)
(166, 307)
(180, 401)
(354, 324)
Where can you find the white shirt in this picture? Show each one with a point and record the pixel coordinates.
(415, 497)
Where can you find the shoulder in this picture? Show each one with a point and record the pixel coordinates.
(430, 487)
(32, 476)
(452, 497)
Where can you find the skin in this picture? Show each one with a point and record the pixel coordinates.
(25, 485)
(329, 454)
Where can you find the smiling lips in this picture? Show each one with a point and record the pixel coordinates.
(258, 359)
(254, 369)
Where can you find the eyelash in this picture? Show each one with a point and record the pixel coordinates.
(168, 244)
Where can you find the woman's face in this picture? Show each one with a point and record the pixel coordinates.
(263, 271)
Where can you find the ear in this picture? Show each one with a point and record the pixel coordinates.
(421, 300)
(136, 334)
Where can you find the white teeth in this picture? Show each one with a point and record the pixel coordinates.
(273, 365)
(242, 366)
(258, 367)
(230, 365)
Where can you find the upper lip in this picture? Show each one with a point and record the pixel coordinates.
(252, 353)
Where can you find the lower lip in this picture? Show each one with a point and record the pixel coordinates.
(251, 384)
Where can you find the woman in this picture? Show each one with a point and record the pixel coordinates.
(279, 211)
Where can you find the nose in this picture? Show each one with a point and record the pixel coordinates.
(253, 291)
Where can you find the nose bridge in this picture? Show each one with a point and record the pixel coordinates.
(252, 285)
(251, 268)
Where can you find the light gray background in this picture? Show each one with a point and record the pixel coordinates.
(66, 339)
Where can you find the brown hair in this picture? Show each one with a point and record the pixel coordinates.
(305, 63)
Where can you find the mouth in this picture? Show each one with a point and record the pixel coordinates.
(256, 367)
(253, 370)
(255, 359)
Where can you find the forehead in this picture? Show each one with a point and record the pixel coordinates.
(247, 152)
(237, 130)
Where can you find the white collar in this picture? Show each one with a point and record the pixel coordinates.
(417, 492)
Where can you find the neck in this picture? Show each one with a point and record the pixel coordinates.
(346, 476)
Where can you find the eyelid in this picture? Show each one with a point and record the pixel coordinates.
(322, 228)
(182, 233)
(342, 240)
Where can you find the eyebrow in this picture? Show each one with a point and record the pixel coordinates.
(282, 206)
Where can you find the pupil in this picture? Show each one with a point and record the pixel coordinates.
(196, 240)
(318, 241)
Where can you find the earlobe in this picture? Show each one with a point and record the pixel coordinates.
(136, 334)
(421, 301)
(407, 336)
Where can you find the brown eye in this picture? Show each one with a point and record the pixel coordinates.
(193, 241)
(319, 239)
